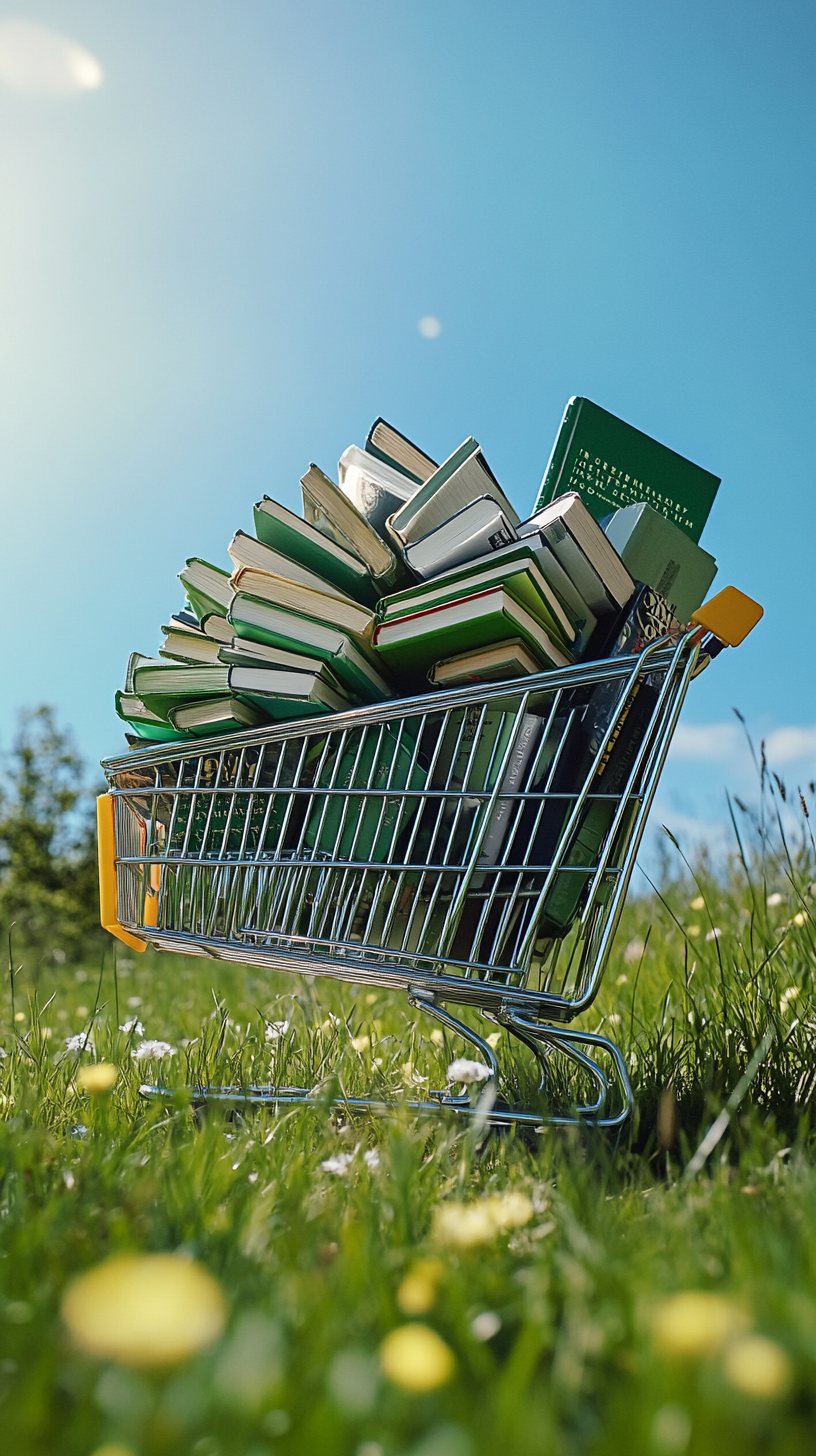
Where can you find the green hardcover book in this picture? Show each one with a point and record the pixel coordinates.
(611, 464)
(412, 644)
(207, 587)
(658, 553)
(327, 509)
(142, 719)
(300, 541)
(262, 622)
(515, 567)
(216, 715)
(460, 480)
(175, 685)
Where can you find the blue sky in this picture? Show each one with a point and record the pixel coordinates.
(213, 264)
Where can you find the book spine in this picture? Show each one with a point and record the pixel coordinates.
(526, 739)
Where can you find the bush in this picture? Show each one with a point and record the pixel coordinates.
(48, 870)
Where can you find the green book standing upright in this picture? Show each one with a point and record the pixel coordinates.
(611, 464)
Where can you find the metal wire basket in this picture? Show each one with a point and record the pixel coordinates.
(471, 847)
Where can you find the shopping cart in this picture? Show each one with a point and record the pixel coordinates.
(472, 848)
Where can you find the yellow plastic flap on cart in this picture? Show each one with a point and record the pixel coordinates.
(730, 615)
(107, 874)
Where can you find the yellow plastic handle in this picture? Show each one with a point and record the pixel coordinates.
(108, 907)
(730, 615)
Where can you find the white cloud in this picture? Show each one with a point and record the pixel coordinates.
(429, 327)
(726, 743)
(791, 745)
(711, 742)
(40, 62)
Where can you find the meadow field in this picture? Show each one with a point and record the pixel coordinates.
(402, 1285)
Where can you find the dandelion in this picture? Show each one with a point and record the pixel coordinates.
(371, 1158)
(775, 899)
(361, 1043)
(465, 1071)
(157, 1049)
(698, 904)
(416, 1359)
(438, 1037)
(693, 930)
(696, 1323)
(799, 918)
(493, 1039)
(276, 1029)
(613, 1018)
(417, 1292)
(98, 1079)
(714, 934)
(621, 980)
(155, 1309)
(133, 1027)
(758, 1367)
(82, 1042)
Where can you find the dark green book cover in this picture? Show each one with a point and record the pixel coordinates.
(611, 464)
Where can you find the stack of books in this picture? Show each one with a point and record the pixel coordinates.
(408, 575)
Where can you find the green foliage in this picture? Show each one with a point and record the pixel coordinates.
(48, 873)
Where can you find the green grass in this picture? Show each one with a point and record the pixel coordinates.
(311, 1261)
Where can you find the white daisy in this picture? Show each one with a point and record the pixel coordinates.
(152, 1049)
(464, 1070)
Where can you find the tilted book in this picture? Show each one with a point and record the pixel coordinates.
(658, 553)
(413, 643)
(461, 479)
(260, 621)
(327, 509)
(285, 532)
(398, 451)
(611, 464)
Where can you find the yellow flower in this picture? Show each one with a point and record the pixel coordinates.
(799, 918)
(698, 903)
(509, 1210)
(361, 1043)
(417, 1291)
(696, 1323)
(154, 1309)
(758, 1367)
(465, 1225)
(416, 1359)
(97, 1079)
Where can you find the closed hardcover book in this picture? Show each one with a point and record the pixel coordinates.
(487, 664)
(376, 489)
(216, 715)
(396, 450)
(663, 556)
(247, 552)
(207, 586)
(260, 621)
(462, 479)
(330, 511)
(413, 643)
(611, 464)
(589, 559)
(516, 568)
(474, 531)
(349, 616)
(339, 565)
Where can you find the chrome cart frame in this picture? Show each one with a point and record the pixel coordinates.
(471, 847)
